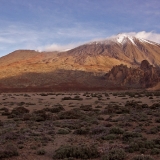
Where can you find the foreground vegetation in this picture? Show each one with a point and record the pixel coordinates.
(106, 126)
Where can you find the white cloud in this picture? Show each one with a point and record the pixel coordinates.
(57, 47)
(155, 37)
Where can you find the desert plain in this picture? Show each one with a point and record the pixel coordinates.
(107, 125)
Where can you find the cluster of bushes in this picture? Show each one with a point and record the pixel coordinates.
(115, 109)
(114, 154)
(81, 152)
(71, 114)
(55, 109)
(17, 112)
(142, 157)
(144, 145)
(74, 98)
(9, 151)
(86, 107)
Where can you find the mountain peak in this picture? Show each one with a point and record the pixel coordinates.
(122, 38)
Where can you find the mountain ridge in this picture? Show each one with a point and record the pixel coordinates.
(95, 57)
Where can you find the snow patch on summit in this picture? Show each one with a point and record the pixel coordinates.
(146, 41)
(122, 38)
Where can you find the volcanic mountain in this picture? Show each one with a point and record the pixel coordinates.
(121, 49)
(82, 66)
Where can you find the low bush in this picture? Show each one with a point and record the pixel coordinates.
(66, 98)
(127, 136)
(155, 106)
(41, 152)
(9, 151)
(72, 114)
(155, 151)
(86, 107)
(98, 130)
(140, 145)
(19, 111)
(114, 154)
(81, 131)
(142, 157)
(63, 131)
(115, 130)
(55, 109)
(81, 152)
(110, 137)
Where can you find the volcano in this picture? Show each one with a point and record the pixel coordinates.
(83, 66)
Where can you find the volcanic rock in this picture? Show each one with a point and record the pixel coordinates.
(142, 77)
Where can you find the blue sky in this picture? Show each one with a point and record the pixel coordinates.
(64, 24)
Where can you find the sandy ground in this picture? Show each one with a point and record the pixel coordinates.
(38, 101)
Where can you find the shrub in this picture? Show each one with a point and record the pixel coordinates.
(6, 113)
(66, 98)
(157, 120)
(77, 98)
(41, 152)
(86, 107)
(115, 154)
(149, 144)
(39, 115)
(155, 106)
(4, 109)
(81, 131)
(142, 157)
(155, 151)
(157, 141)
(98, 130)
(9, 151)
(127, 136)
(63, 131)
(72, 114)
(55, 109)
(1, 123)
(26, 117)
(81, 152)
(11, 135)
(154, 130)
(132, 104)
(144, 105)
(115, 130)
(110, 137)
(140, 145)
(44, 94)
(19, 111)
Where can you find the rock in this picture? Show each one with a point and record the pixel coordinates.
(144, 76)
(144, 65)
